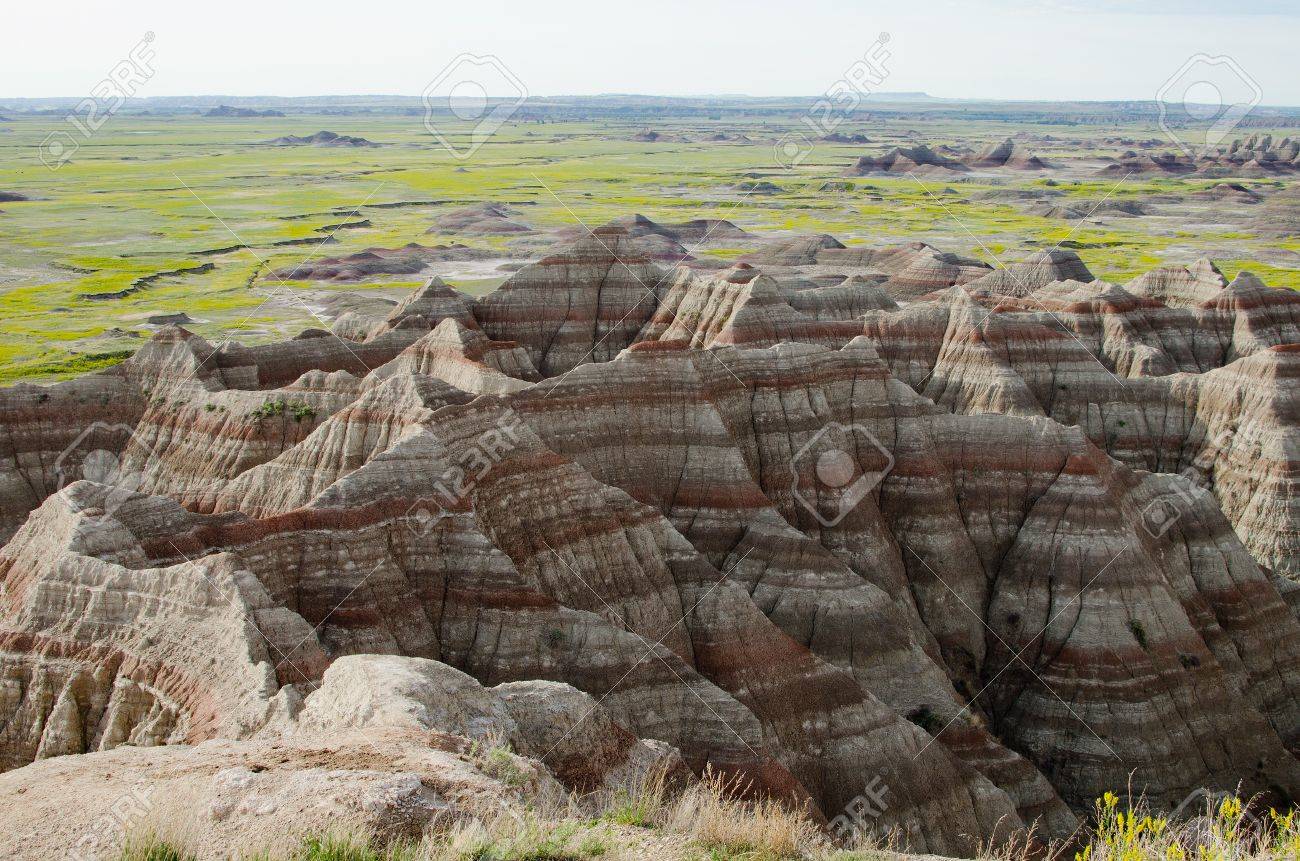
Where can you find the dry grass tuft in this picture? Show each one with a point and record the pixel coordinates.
(710, 814)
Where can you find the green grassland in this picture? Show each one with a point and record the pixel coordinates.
(150, 195)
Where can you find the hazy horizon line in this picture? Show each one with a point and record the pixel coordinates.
(915, 95)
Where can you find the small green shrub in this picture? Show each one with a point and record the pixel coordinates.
(493, 757)
(268, 410)
(923, 717)
(297, 410)
(302, 412)
(150, 847)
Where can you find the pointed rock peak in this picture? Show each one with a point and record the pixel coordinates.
(436, 286)
(411, 391)
(825, 240)
(862, 350)
(764, 287)
(172, 334)
(1102, 296)
(434, 289)
(607, 244)
(449, 336)
(1205, 270)
(741, 273)
(1056, 257)
(1245, 281)
(632, 222)
(176, 354)
(452, 331)
(433, 302)
(958, 296)
(996, 153)
(324, 381)
(1181, 286)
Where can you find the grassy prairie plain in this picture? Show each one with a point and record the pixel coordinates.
(192, 214)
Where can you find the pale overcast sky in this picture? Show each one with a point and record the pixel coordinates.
(1015, 49)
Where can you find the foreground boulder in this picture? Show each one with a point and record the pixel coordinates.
(226, 798)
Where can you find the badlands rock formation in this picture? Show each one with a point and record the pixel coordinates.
(486, 218)
(1008, 154)
(410, 259)
(1006, 539)
(918, 159)
(322, 138)
(1130, 162)
(1257, 155)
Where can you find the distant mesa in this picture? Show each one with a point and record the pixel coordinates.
(344, 225)
(1132, 162)
(759, 187)
(918, 159)
(228, 111)
(175, 319)
(410, 259)
(322, 138)
(667, 243)
(1014, 195)
(1007, 154)
(1232, 192)
(114, 333)
(696, 230)
(481, 219)
(837, 137)
(1081, 209)
(652, 136)
(1147, 143)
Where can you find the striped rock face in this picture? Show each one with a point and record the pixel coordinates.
(1004, 548)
